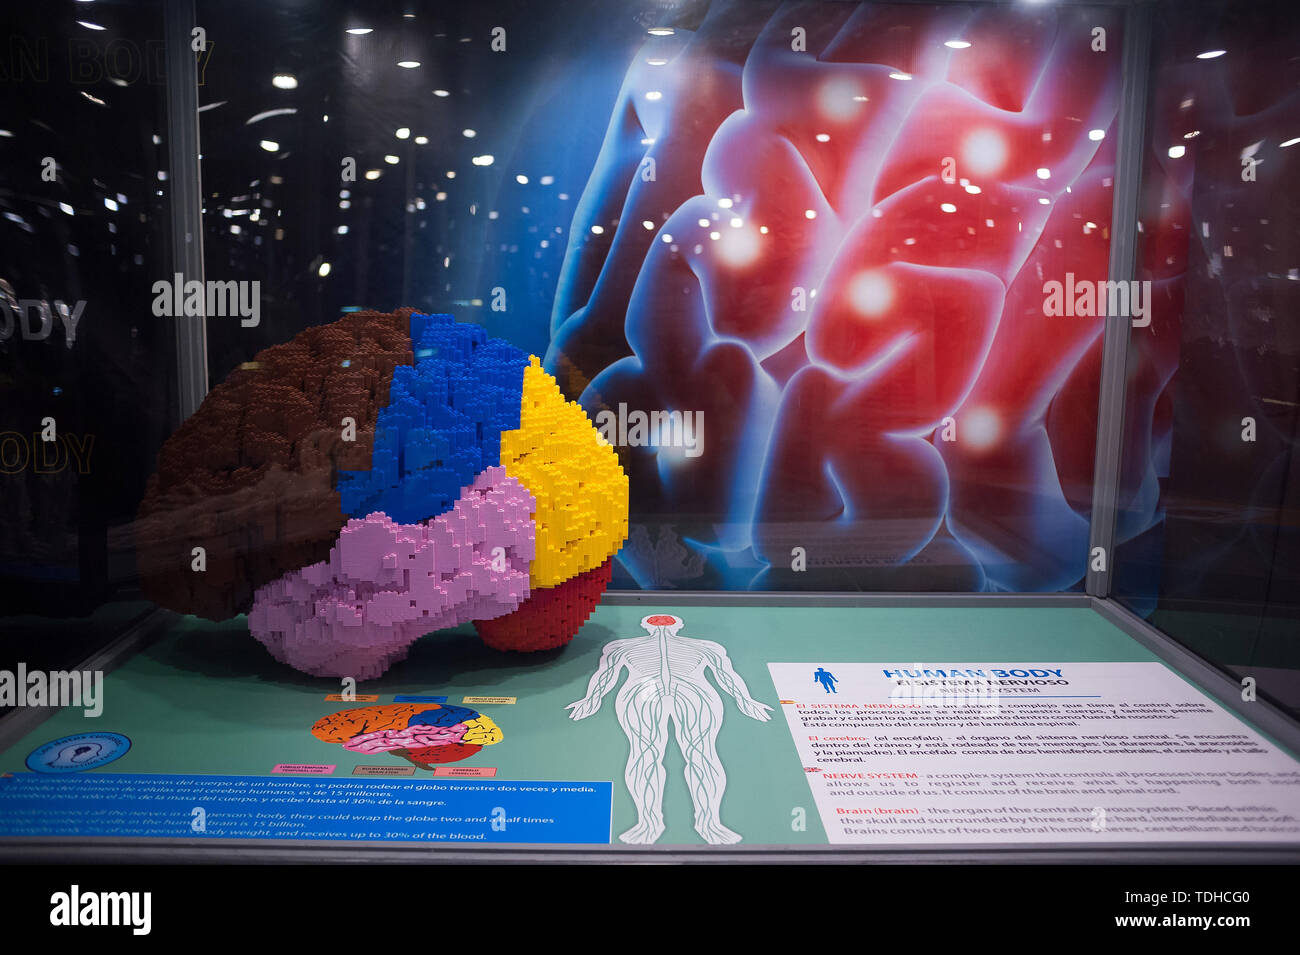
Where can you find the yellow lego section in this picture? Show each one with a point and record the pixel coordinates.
(482, 732)
(574, 474)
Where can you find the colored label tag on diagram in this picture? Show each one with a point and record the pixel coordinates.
(383, 771)
(306, 769)
(466, 772)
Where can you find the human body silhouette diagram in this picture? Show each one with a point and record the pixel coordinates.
(666, 682)
(826, 678)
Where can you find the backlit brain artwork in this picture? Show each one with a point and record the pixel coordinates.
(422, 733)
(379, 478)
(826, 228)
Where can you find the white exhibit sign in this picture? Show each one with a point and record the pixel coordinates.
(1031, 753)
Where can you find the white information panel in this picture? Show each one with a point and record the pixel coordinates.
(1031, 753)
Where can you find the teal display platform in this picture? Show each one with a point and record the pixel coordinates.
(206, 700)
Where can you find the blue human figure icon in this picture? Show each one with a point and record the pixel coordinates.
(826, 679)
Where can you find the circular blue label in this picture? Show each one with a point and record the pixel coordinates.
(73, 754)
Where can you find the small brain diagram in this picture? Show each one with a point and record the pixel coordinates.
(425, 734)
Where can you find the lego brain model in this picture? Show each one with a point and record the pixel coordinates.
(379, 478)
(423, 733)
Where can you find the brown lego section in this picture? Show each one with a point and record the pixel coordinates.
(250, 476)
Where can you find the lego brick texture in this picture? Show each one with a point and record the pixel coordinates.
(442, 424)
(472, 491)
(385, 584)
(581, 488)
(551, 616)
(249, 477)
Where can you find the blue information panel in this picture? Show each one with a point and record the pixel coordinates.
(261, 807)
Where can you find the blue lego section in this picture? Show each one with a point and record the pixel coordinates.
(442, 424)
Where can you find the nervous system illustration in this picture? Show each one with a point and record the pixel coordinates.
(666, 682)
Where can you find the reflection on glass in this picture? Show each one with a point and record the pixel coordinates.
(1210, 489)
(801, 282)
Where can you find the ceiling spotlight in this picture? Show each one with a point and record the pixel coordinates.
(1210, 54)
(284, 81)
(360, 31)
(404, 132)
(900, 76)
(270, 145)
(441, 93)
(421, 140)
(661, 31)
(956, 44)
(90, 26)
(408, 64)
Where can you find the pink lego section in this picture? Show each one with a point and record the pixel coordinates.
(386, 584)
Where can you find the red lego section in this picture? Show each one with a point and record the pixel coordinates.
(551, 616)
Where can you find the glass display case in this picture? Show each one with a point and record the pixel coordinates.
(649, 429)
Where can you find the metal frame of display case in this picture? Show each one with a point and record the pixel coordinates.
(1109, 449)
(186, 244)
